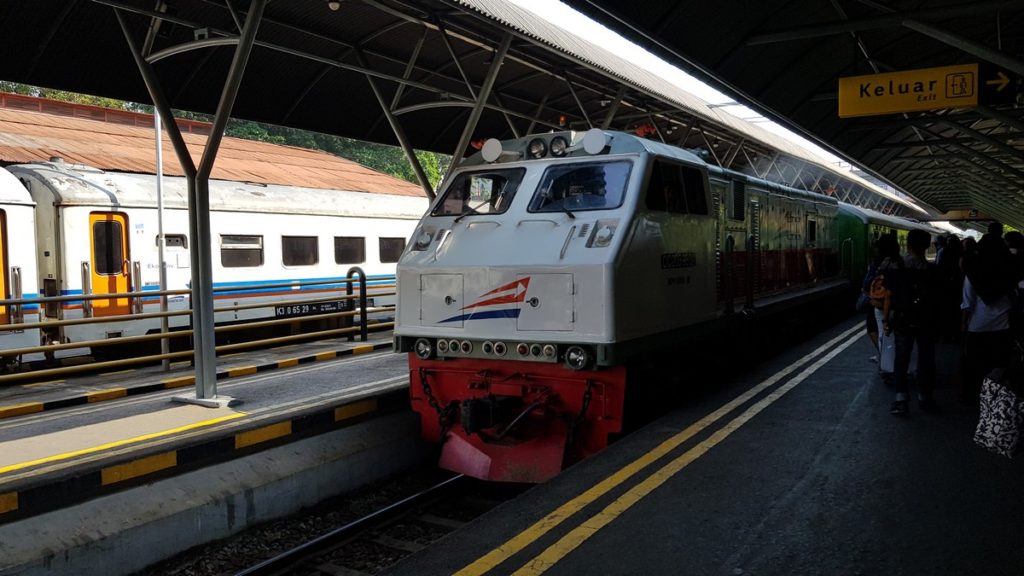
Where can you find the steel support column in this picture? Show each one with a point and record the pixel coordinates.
(199, 195)
(481, 99)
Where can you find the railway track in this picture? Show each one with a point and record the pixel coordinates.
(395, 519)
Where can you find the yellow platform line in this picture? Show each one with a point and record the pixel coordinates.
(326, 355)
(125, 442)
(140, 467)
(108, 394)
(19, 409)
(288, 363)
(363, 349)
(264, 434)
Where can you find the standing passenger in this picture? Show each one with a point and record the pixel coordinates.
(909, 313)
(986, 313)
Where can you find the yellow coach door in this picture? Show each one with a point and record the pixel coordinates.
(108, 235)
(4, 317)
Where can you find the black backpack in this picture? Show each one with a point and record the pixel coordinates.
(916, 298)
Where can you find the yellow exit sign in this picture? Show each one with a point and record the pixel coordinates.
(909, 91)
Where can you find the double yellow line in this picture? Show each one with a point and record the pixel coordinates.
(554, 553)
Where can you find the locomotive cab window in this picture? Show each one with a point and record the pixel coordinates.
(582, 186)
(677, 189)
(391, 249)
(237, 251)
(812, 231)
(480, 193)
(299, 250)
(349, 249)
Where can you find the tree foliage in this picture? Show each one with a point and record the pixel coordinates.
(388, 159)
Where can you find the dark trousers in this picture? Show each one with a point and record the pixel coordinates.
(983, 351)
(905, 340)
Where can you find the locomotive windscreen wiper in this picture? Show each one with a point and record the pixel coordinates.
(470, 210)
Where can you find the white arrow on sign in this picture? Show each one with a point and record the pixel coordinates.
(1003, 81)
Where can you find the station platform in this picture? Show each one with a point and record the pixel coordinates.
(66, 443)
(796, 467)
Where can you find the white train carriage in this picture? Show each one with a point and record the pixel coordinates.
(97, 234)
(17, 265)
(549, 262)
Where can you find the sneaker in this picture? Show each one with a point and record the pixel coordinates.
(899, 408)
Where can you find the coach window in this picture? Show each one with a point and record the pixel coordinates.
(488, 192)
(299, 250)
(237, 251)
(391, 249)
(349, 249)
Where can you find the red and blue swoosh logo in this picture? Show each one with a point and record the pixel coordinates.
(495, 304)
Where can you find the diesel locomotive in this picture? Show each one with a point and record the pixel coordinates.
(548, 264)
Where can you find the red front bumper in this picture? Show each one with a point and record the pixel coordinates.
(564, 415)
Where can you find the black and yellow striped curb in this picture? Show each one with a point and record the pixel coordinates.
(11, 410)
(34, 495)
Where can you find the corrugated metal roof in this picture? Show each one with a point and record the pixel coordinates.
(82, 187)
(33, 137)
(530, 24)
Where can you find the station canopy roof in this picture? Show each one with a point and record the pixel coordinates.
(316, 64)
(785, 58)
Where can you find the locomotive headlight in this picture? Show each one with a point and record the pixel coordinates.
(559, 146)
(577, 358)
(467, 346)
(454, 346)
(423, 240)
(500, 348)
(522, 348)
(442, 346)
(536, 148)
(487, 348)
(549, 351)
(424, 349)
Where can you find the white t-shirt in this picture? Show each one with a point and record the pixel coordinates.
(985, 317)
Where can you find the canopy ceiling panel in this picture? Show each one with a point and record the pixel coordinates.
(785, 57)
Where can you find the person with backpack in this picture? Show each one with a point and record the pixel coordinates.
(987, 304)
(888, 262)
(909, 312)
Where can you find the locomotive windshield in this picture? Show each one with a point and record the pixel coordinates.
(578, 187)
(488, 192)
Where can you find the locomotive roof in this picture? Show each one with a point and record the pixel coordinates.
(11, 190)
(869, 216)
(86, 186)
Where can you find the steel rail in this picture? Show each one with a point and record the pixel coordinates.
(281, 562)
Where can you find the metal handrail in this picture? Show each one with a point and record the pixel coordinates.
(65, 370)
(362, 311)
(170, 313)
(145, 294)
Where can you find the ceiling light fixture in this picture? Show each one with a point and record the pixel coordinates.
(334, 5)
